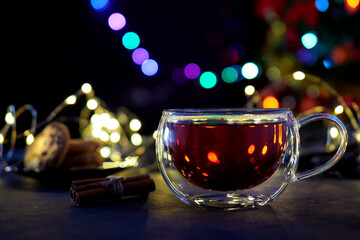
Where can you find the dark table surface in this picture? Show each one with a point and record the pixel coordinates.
(317, 208)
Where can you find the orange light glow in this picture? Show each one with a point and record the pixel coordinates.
(187, 158)
(270, 102)
(213, 157)
(251, 149)
(274, 133)
(280, 133)
(353, 3)
(209, 126)
(205, 174)
(264, 150)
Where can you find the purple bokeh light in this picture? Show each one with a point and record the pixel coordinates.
(139, 55)
(192, 71)
(116, 21)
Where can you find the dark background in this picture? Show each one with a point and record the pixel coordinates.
(52, 47)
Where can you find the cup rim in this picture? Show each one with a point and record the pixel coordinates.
(225, 111)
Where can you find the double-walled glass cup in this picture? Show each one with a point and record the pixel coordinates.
(234, 158)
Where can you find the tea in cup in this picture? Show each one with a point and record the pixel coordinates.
(233, 158)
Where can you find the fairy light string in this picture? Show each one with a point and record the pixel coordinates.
(120, 132)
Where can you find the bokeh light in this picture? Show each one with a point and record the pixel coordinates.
(229, 75)
(250, 70)
(149, 67)
(309, 40)
(322, 5)
(139, 55)
(192, 71)
(299, 75)
(178, 76)
(208, 80)
(130, 40)
(116, 21)
(249, 90)
(270, 102)
(308, 57)
(99, 5)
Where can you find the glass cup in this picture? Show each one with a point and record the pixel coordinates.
(234, 158)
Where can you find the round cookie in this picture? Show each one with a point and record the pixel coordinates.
(49, 148)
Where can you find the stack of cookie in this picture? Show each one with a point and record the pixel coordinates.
(53, 148)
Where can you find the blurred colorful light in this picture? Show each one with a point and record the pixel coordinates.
(149, 67)
(322, 5)
(130, 40)
(208, 80)
(270, 102)
(139, 55)
(309, 40)
(229, 75)
(192, 71)
(116, 21)
(99, 5)
(250, 70)
(249, 90)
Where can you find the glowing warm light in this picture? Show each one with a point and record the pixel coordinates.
(112, 123)
(280, 134)
(105, 152)
(149, 67)
(139, 55)
(339, 109)
(1, 138)
(251, 149)
(213, 157)
(250, 70)
(136, 139)
(229, 75)
(116, 21)
(353, 3)
(192, 71)
(299, 75)
(70, 100)
(264, 150)
(322, 5)
(86, 88)
(114, 137)
(208, 80)
(270, 102)
(131, 40)
(92, 104)
(29, 139)
(155, 134)
(187, 158)
(99, 5)
(334, 132)
(135, 125)
(104, 136)
(309, 40)
(249, 90)
(205, 174)
(9, 118)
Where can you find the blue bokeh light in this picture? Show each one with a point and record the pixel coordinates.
(309, 40)
(99, 5)
(322, 5)
(149, 67)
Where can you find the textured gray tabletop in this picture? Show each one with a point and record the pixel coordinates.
(319, 208)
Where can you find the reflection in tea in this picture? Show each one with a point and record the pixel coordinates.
(226, 157)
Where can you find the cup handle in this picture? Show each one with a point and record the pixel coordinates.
(340, 152)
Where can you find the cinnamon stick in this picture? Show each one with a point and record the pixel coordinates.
(104, 189)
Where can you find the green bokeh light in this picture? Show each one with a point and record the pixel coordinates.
(130, 40)
(229, 75)
(208, 80)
